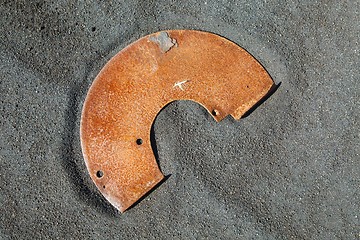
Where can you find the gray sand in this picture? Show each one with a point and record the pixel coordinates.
(290, 170)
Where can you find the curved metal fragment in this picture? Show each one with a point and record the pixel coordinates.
(138, 82)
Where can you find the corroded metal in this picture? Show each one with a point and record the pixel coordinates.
(138, 82)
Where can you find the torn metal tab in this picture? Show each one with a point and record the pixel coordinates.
(138, 82)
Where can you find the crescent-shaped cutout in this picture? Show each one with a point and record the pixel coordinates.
(138, 82)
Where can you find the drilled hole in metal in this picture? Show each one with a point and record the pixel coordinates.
(139, 141)
(99, 174)
(215, 112)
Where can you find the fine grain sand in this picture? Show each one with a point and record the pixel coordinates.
(289, 170)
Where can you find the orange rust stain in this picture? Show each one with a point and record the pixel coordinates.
(138, 82)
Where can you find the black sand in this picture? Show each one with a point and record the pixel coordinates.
(290, 170)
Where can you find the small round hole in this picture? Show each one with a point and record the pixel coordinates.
(139, 141)
(99, 174)
(215, 112)
(104, 187)
(93, 29)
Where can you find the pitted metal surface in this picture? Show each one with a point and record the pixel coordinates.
(138, 82)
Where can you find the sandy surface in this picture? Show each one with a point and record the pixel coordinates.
(290, 170)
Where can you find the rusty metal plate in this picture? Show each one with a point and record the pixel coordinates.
(138, 82)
